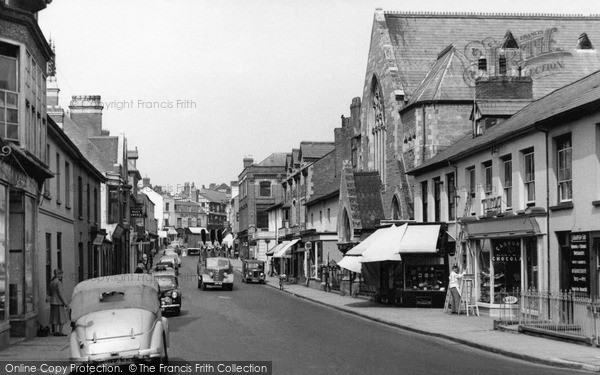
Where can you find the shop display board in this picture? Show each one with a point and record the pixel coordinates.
(580, 266)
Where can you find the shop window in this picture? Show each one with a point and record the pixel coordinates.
(564, 168)
(22, 245)
(531, 265)
(425, 273)
(451, 193)
(500, 269)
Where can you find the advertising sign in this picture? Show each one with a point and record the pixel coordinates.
(580, 263)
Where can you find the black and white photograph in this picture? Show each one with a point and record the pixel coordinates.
(291, 187)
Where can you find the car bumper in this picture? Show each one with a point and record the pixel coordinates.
(143, 355)
(255, 279)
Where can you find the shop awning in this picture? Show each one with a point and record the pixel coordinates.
(285, 250)
(98, 240)
(364, 245)
(420, 239)
(387, 246)
(277, 247)
(351, 263)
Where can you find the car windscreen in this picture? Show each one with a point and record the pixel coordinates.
(166, 282)
(217, 263)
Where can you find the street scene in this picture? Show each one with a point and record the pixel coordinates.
(315, 187)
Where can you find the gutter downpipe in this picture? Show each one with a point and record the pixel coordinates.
(545, 131)
(455, 197)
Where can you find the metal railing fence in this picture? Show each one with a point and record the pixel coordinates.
(564, 314)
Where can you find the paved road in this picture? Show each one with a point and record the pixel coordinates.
(260, 323)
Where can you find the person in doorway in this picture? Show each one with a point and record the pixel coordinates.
(140, 268)
(146, 263)
(455, 276)
(57, 303)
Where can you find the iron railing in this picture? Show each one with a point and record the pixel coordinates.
(567, 315)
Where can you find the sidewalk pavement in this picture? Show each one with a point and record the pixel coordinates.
(474, 331)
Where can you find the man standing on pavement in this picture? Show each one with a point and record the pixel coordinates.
(57, 303)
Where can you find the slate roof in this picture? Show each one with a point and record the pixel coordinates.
(445, 79)
(90, 150)
(295, 157)
(213, 195)
(315, 150)
(276, 159)
(548, 43)
(325, 183)
(585, 92)
(501, 107)
(368, 196)
(109, 145)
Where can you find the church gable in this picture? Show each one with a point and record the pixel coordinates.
(547, 45)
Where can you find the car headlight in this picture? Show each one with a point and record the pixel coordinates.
(225, 274)
(174, 294)
(262, 274)
(211, 274)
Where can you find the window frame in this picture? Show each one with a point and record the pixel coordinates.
(507, 183)
(451, 194)
(568, 152)
(424, 200)
(529, 175)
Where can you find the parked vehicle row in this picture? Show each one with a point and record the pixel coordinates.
(119, 319)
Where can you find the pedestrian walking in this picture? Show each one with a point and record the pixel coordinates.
(57, 303)
(455, 276)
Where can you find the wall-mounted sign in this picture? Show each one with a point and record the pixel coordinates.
(507, 250)
(136, 211)
(491, 204)
(580, 263)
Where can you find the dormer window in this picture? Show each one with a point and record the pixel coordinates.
(584, 42)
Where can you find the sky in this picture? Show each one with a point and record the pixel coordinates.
(197, 85)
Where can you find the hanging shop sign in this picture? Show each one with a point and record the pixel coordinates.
(580, 266)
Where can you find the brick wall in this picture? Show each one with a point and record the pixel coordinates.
(504, 87)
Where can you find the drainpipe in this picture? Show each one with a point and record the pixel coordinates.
(545, 131)
(424, 147)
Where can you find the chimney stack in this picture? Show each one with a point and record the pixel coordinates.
(248, 161)
(86, 111)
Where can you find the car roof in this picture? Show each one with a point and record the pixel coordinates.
(140, 291)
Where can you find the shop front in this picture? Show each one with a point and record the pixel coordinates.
(507, 257)
(406, 265)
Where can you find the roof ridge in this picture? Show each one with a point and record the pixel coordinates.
(489, 14)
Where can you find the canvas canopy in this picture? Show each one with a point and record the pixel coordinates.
(135, 290)
(387, 245)
(351, 263)
(285, 250)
